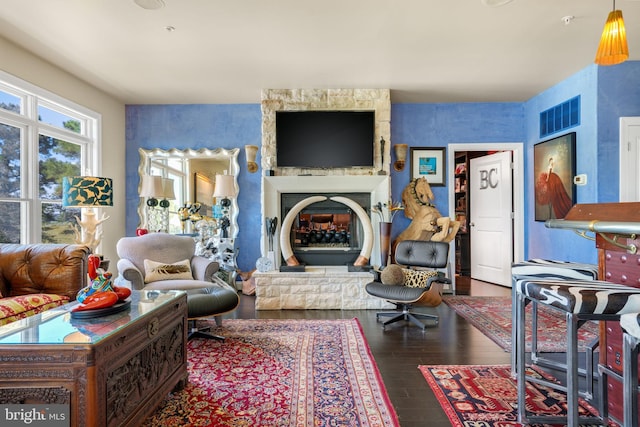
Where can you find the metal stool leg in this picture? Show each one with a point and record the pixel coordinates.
(572, 370)
(630, 379)
(571, 388)
(520, 358)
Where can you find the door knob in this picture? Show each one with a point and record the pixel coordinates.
(472, 224)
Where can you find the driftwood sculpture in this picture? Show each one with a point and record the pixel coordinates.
(427, 223)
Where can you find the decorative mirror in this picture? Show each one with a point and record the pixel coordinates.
(194, 175)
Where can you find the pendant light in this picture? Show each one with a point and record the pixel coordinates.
(613, 47)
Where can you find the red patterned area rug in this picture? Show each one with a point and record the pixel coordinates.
(281, 373)
(487, 396)
(492, 316)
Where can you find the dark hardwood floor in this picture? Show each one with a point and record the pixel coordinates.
(400, 348)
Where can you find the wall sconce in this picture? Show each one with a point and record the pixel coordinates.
(87, 191)
(225, 188)
(252, 151)
(613, 47)
(401, 156)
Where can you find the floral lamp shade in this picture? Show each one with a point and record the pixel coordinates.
(87, 191)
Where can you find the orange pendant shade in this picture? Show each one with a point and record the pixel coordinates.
(613, 47)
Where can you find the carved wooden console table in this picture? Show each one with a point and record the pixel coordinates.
(111, 371)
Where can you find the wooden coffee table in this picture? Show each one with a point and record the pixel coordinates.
(112, 370)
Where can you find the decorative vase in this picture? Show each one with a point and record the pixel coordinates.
(385, 243)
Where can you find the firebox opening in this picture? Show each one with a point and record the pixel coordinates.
(327, 232)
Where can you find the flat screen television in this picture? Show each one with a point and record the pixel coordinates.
(325, 139)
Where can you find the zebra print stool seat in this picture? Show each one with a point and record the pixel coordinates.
(630, 324)
(555, 270)
(579, 300)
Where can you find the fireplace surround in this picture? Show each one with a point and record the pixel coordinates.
(321, 286)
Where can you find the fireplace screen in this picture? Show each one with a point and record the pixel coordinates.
(331, 230)
(327, 232)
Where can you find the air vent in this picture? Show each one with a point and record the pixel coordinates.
(562, 116)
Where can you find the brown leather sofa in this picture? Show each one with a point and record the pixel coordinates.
(37, 277)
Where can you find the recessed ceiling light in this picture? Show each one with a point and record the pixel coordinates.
(495, 3)
(150, 4)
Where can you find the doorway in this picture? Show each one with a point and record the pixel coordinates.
(518, 194)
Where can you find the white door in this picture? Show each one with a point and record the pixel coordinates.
(630, 159)
(491, 224)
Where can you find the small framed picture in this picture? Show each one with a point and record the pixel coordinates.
(429, 163)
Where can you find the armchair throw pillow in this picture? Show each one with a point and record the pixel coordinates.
(417, 278)
(155, 271)
(392, 274)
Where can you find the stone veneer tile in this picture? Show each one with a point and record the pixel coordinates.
(275, 291)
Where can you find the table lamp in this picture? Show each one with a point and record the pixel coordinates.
(168, 193)
(87, 192)
(225, 187)
(152, 190)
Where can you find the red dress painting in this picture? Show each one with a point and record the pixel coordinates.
(550, 191)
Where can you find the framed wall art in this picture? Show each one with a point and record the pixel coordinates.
(429, 163)
(554, 165)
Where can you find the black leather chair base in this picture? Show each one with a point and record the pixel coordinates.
(195, 332)
(209, 302)
(408, 315)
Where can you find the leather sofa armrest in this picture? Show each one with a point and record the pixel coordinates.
(43, 268)
(203, 268)
(131, 273)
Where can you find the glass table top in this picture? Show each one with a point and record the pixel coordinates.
(56, 326)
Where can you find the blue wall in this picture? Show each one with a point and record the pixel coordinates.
(607, 93)
(618, 96)
(553, 243)
(437, 125)
(199, 126)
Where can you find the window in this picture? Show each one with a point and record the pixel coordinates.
(42, 138)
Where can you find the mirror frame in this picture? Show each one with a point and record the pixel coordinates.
(147, 157)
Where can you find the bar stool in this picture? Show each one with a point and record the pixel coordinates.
(551, 270)
(580, 301)
(630, 324)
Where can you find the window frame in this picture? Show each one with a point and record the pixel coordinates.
(89, 140)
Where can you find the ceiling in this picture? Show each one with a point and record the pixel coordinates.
(227, 51)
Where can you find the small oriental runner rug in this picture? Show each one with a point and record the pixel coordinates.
(281, 373)
(492, 316)
(487, 396)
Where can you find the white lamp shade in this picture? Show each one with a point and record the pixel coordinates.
(225, 186)
(167, 189)
(151, 186)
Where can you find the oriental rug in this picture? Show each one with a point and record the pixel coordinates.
(492, 316)
(280, 373)
(487, 396)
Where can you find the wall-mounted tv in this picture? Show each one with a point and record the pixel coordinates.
(325, 139)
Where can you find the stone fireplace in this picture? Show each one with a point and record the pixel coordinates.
(325, 283)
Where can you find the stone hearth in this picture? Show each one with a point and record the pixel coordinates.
(317, 288)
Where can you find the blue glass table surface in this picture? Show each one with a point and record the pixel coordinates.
(55, 326)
